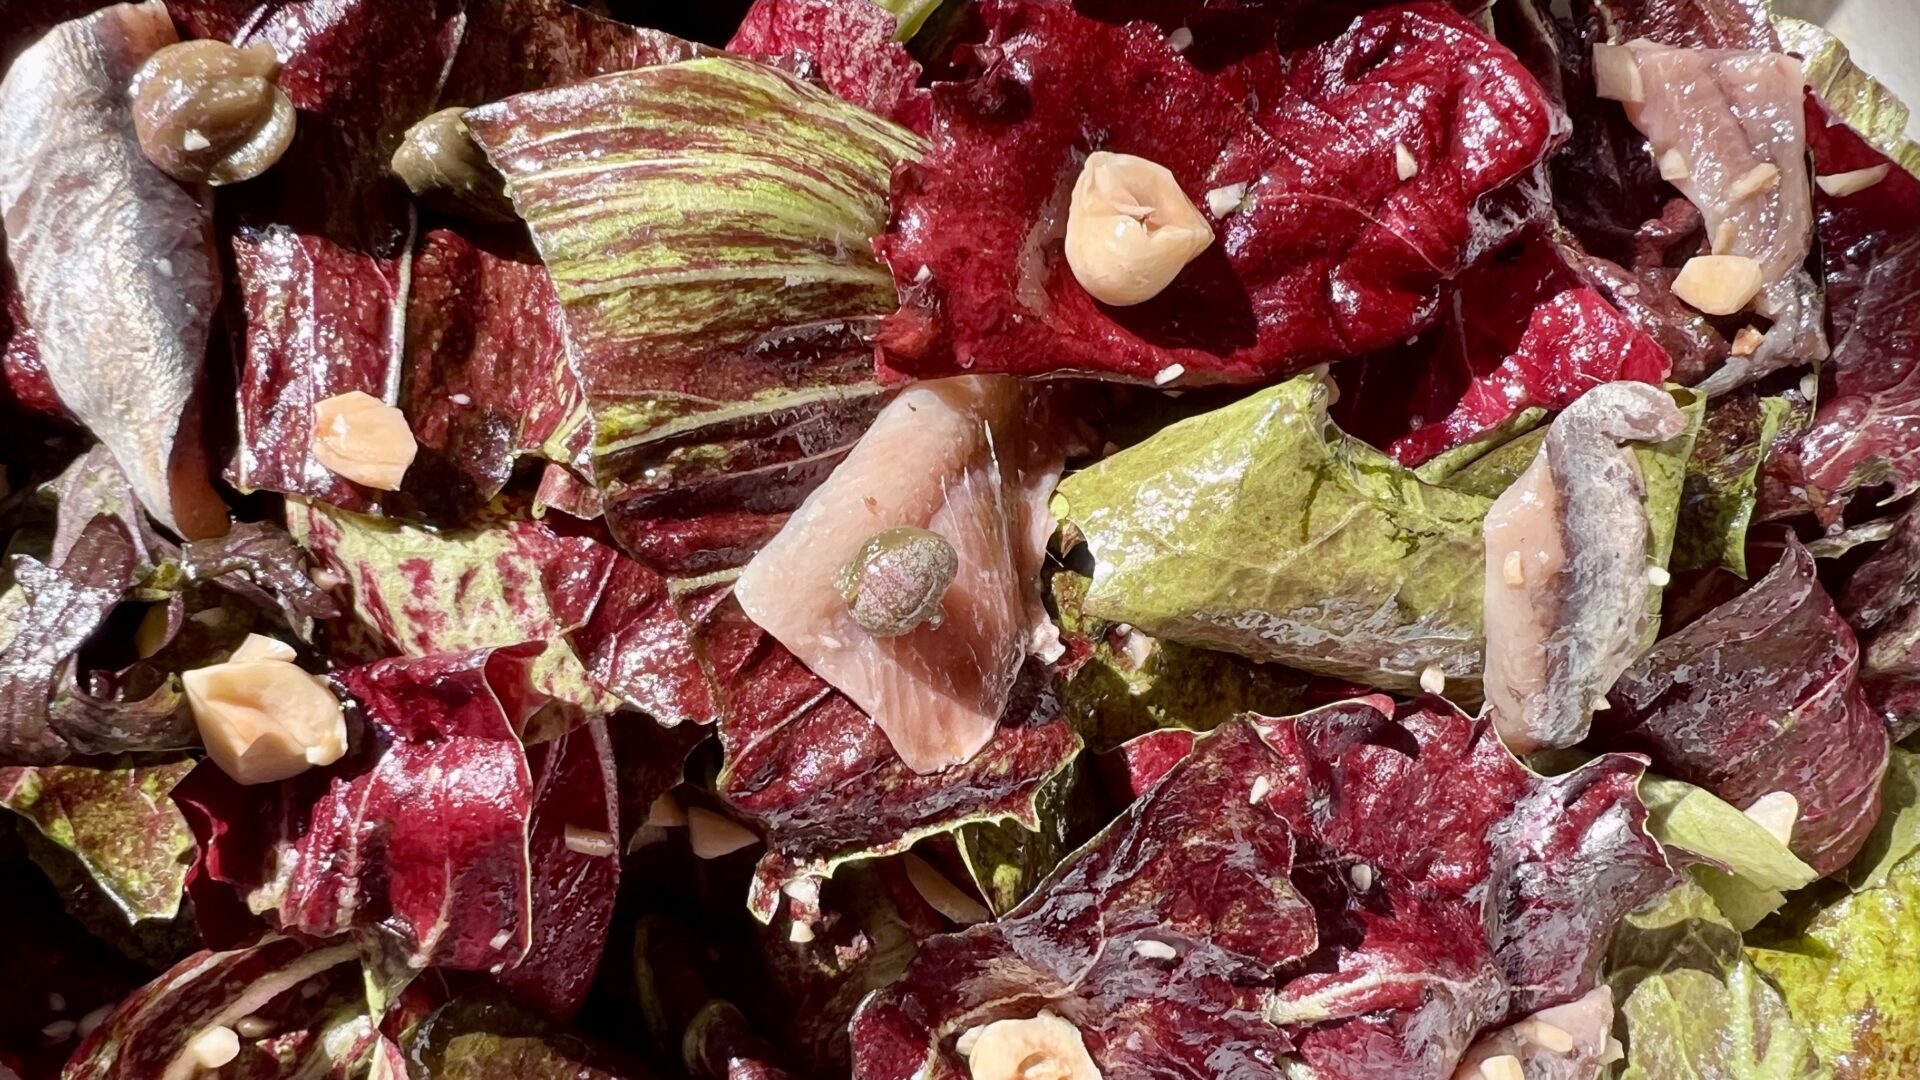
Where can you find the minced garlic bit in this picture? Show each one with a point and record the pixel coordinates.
(1180, 40)
(1226, 199)
(1169, 373)
(713, 835)
(1514, 569)
(1433, 680)
(1658, 577)
(214, 1047)
(1601, 704)
(362, 438)
(1361, 875)
(1130, 229)
(261, 717)
(1841, 185)
(1149, 949)
(592, 842)
(800, 933)
(942, 894)
(1405, 166)
(1718, 284)
(1260, 788)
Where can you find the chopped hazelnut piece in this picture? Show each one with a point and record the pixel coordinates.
(1758, 179)
(1043, 1048)
(800, 933)
(713, 835)
(1841, 185)
(1549, 1036)
(1405, 166)
(1130, 229)
(1673, 165)
(1616, 74)
(1747, 341)
(358, 436)
(214, 1047)
(1777, 812)
(1718, 284)
(1222, 201)
(262, 718)
(941, 894)
(1433, 680)
(1658, 577)
(1504, 1067)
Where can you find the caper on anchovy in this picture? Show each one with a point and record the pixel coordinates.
(208, 112)
(443, 167)
(894, 583)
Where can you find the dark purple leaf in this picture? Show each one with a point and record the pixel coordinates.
(1520, 331)
(637, 647)
(1296, 276)
(1689, 24)
(1339, 889)
(575, 806)
(259, 562)
(848, 45)
(56, 609)
(1881, 601)
(422, 830)
(822, 778)
(1762, 695)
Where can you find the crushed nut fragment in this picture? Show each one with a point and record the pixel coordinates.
(1405, 166)
(1718, 284)
(1841, 185)
(1433, 680)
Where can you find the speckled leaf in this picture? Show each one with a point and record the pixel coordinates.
(479, 1038)
(1486, 892)
(1132, 683)
(824, 781)
(1748, 870)
(732, 416)
(118, 821)
(1263, 530)
(1849, 979)
(853, 47)
(1690, 1023)
(1722, 481)
(1006, 860)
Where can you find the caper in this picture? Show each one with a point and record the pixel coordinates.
(893, 585)
(208, 112)
(443, 167)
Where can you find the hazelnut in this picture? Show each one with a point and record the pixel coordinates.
(1043, 1048)
(363, 439)
(262, 718)
(445, 169)
(1718, 284)
(208, 112)
(1130, 229)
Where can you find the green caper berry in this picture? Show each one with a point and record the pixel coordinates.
(893, 585)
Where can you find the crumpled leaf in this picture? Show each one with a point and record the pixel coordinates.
(118, 821)
(1897, 834)
(509, 579)
(443, 784)
(823, 780)
(1761, 695)
(1722, 480)
(51, 611)
(1521, 330)
(1688, 1023)
(744, 296)
(261, 562)
(851, 46)
(1848, 978)
(1262, 530)
(1296, 276)
(323, 242)
(1747, 870)
(1487, 892)
(1131, 683)
(1881, 601)
(475, 1037)
(145, 1034)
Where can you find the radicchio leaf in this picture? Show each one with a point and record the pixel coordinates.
(1519, 331)
(475, 1036)
(1722, 480)
(738, 293)
(1761, 695)
(1296, 275)
(848, 45)
(1338, 890)
(822, 778)
(118, 821)
(49, 614)
(1881, 601)
(422, 830)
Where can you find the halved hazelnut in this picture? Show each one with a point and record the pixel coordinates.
(360, 437)
(1718, 284)
(1130, 229)
(262, 718)
(1043, 1048)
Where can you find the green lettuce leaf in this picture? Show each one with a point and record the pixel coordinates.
(1897, 834)
(1262, 529)
(1006, 860)
(118, 822)
(1852, 978)
(1759, 868)
(1722, 480)
(1688, 1023)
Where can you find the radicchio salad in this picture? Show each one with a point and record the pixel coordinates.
(956, 540)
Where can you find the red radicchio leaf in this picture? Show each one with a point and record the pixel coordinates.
(574, 790)
(1338, 887)
(1295, 276)
(1761, 695)
(822, 778)
(1520, 331)
(1881, 601)
(422, 830)
(321, 243)
(846, 44)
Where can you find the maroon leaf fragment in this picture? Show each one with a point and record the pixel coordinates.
(62, 606)
(846, 44)
(1297, 275)
(1761, 695)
